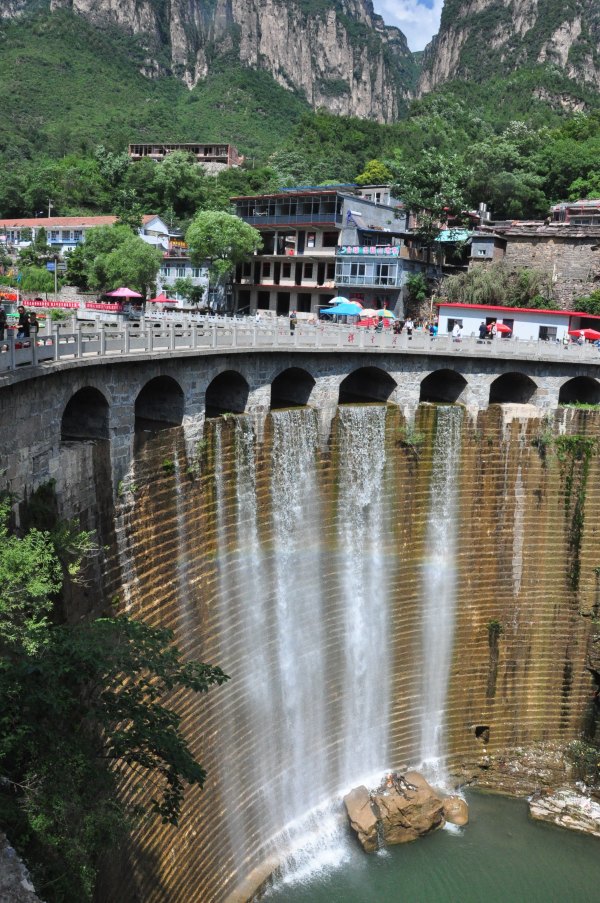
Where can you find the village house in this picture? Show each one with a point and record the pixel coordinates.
(522, 323)
(64, 233)
(319, 242)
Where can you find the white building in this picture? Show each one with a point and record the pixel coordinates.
(525, 323)
(64, 233)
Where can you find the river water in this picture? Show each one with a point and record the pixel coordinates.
(501, 856)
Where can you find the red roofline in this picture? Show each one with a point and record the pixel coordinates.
(66, 221)
(527, 310)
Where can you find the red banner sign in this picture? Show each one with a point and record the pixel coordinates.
(104, 305)
(71, 305)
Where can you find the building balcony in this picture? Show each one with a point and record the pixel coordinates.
(291, 219)
(370, 281)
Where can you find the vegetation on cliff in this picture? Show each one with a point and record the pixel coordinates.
(81, 710)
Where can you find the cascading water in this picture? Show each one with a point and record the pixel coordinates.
(272, 585)
(439, 587)
(363, 533)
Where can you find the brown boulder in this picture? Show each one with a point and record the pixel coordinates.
(363, 819)
(456, 810)
(410, 812)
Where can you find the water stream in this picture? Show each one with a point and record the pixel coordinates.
(439, 587)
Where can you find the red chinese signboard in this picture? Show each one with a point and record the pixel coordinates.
(104, 305)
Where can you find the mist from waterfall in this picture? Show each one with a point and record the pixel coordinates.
(439, 587)
(272, 571)
(363, 533)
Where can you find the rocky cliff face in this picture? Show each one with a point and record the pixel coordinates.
(482, 38)
(340, 54)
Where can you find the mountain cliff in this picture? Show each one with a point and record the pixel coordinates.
(339, 54)
(480, 39)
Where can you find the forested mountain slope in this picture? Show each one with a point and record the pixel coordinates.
(481, 39)
(338, 55)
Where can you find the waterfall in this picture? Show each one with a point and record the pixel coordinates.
(363, 534)
(439, 586)
(299, 612)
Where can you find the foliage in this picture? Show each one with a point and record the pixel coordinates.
(222, 239)
(435, 183)
(589, 304)
(574, 453)
(418, 288)
(191, 293)
(81, 707)
(374, 173)
(494, 629)
(586, 759)
(37, 279)
(501, 285)
(111, 256)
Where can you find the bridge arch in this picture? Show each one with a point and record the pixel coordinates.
(583, 389)
(291, 388)
(86, 416)
(512, 388)
(366, 384)
(227, 394)
(160, 402)
(445, 386)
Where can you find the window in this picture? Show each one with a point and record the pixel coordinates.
(310, 239)
(196, 272)
(308, 270)
(286, 271)
(331, 271)
(330, 239)
(246, 269)
(266, 270)
(451, 323)
(181, 272)
(78, 235)
(548, 333)
(54, 234)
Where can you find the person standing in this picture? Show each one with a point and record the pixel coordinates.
(23, 327)
(456, 332)
(34, 323)
(409, 326)
(293, 321)
(482, 330)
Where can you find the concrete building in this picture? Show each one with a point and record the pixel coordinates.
(212, 157)
(525, 324)
(319, 242)
(64, 233)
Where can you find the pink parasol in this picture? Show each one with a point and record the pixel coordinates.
(123, 293)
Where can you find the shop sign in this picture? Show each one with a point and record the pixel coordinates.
(104, 305)
(369, 251)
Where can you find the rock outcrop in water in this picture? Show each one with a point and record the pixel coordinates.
(567, 809)
(401, 810)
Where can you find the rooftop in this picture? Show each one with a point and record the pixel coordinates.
(66, 222)
(525, 310)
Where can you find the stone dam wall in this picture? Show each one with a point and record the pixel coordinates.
(292, 550)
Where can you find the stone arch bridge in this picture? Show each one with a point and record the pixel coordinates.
(101, 384)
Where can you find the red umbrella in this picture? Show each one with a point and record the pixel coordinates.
(591, 334)
(502, 327)
(161, 299)
(123, 293)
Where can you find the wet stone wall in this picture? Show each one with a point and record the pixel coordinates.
(299, 567)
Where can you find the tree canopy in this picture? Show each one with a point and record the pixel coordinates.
(81, 706)
(222, 239)
(113, 256)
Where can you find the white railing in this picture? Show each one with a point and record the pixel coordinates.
(243, 334)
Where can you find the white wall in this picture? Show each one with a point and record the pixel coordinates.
(526, 323)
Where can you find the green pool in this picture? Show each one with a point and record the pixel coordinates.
(500, 857)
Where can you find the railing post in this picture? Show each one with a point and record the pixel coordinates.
(126, 338)
(194, 335)
(11, 349)
(34, 349)
(214, 335)
(171, 337)
(150, 339)
(55, 341)
(102, 341)
(78, 346)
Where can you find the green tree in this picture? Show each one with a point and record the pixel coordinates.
(37, 279)
(222, 239)
(185, 287)
(418, 289)
(374, 173)
(82, 707)
(134, 263)
(114, 255)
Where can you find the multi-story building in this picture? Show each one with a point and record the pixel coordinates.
(213, 157)
(319, 242)
(64, 233)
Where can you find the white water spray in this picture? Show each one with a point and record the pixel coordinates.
(439, 588)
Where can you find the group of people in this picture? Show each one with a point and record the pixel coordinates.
(27, 325)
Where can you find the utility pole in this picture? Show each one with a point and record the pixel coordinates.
(50, 207)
